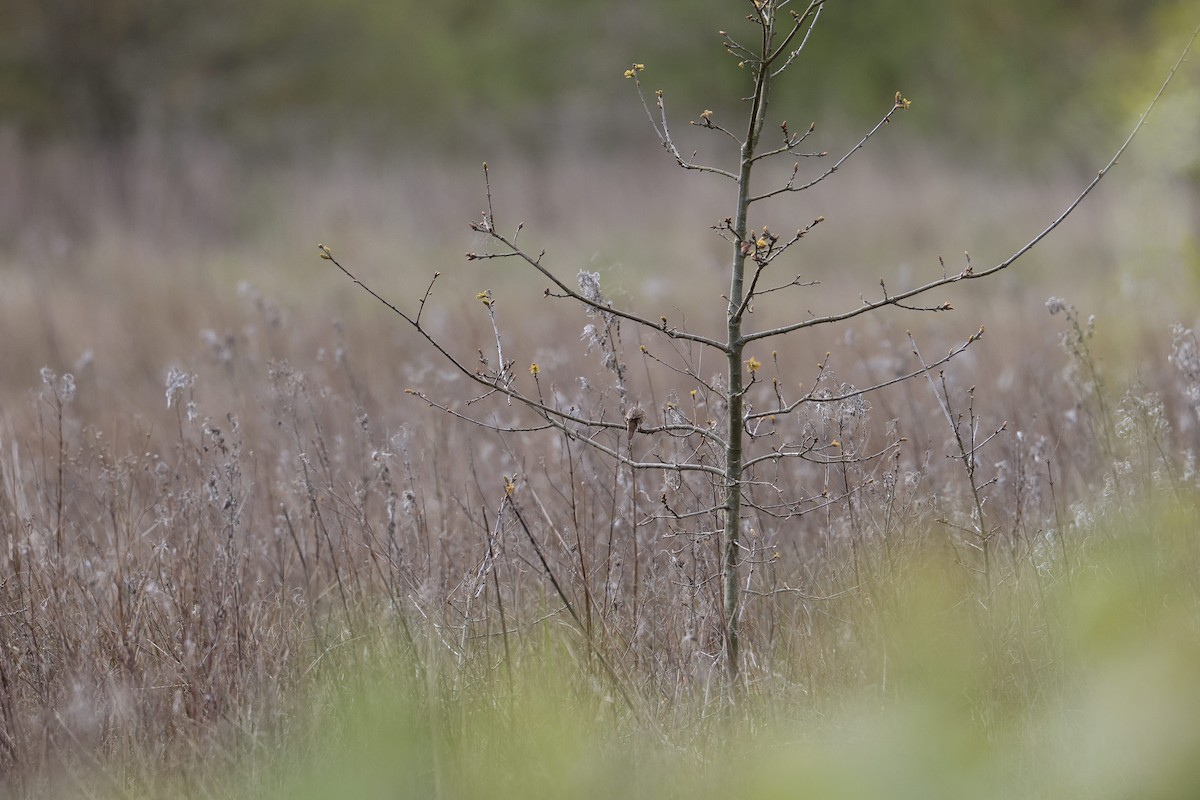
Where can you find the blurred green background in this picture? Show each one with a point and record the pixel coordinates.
(402, 73)
(147, 145)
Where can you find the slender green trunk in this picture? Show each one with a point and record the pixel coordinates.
(733, 486)
(730, 564)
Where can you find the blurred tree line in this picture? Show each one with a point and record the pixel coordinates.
(399, 72)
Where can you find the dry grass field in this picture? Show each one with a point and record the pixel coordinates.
(240, 560)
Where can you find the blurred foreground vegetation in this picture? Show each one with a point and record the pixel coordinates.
(1074, 680)
(1077, 676)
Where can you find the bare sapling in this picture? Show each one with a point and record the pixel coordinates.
(741, 455)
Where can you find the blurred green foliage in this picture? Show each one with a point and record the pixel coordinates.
(398, 71)
(1078, 682)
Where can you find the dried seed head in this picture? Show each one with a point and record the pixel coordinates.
(633, 418)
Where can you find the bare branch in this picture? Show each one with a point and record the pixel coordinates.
(764, 252)
(806, 453)
(811, 397)
(425, 298)
(663, 131)
(790, 142)
(568, 292)
(795, 53)
(791, 186)
(970, 273)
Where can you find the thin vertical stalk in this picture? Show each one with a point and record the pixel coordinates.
(735, 346)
